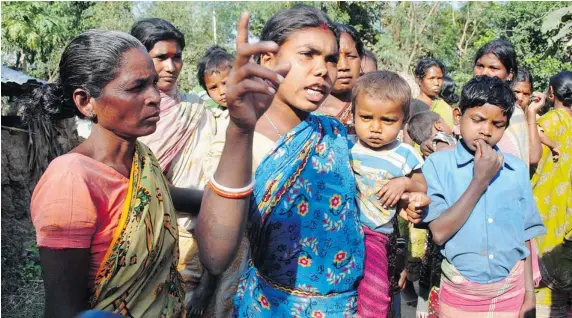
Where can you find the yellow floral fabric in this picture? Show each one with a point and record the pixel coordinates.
(552, 189)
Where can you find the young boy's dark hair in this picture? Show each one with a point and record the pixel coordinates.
(483, 89)
(420, 126)
(215, 60)
(384, 85)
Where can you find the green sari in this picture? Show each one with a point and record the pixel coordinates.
(138, 276)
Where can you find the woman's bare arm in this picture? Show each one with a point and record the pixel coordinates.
(535, 154)
(250, 90)
(545, 140)
(186, 199)
(65, 273)
(221, 221)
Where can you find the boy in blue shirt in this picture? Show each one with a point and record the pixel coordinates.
(482, 211)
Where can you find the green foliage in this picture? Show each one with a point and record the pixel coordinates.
(521, 23)
(31, 269)
(36, 33)
(108, 16)
(561, 20)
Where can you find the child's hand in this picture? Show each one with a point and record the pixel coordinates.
(391, 193)
(427, 147)
(402, 279)
(537, 103)
(487, 162)
(415, 203)
(555, 153)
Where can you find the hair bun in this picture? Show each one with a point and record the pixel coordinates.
(567, 97)
(45, 101)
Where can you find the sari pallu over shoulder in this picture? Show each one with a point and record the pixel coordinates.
(138, 275)
(182, 138)
(307, 244)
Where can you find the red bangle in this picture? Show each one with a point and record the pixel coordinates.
(230, 195)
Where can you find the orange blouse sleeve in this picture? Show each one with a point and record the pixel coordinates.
(63, 211)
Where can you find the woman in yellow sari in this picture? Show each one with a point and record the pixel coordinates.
(552, 188)
(104, 213)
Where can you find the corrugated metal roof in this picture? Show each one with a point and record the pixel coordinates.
(12, 76)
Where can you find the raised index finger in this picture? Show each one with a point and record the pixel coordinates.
(242, 39)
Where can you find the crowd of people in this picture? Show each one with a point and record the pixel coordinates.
(319, 186)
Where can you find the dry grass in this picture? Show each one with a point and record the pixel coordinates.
(26, 301)
(22, 285)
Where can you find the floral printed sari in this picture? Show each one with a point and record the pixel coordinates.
(552, 189)
(306, 240)
(138, 276)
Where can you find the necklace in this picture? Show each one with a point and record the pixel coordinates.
(271, 123)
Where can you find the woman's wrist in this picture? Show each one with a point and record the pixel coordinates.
(236, 131)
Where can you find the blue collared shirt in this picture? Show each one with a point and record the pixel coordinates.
(491, 242)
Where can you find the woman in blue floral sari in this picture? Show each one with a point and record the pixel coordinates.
(307, 249)
(305, 222)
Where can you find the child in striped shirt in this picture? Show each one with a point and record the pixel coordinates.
(384, 169)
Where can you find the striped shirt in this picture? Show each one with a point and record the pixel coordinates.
(372, 170)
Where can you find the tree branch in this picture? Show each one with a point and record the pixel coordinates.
(460, 43)
(416, 39)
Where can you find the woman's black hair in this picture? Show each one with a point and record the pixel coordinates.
(424, 64)
(153, 30)
(90, 62)
(351, 31)
(481, 90)
(561, 84)
(447, 92)
(504, 51)
(524, 76)
(215, 60)
(300, 16)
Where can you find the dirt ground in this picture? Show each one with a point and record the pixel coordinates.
(22, 287)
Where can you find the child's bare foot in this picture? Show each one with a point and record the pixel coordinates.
(202, 295)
